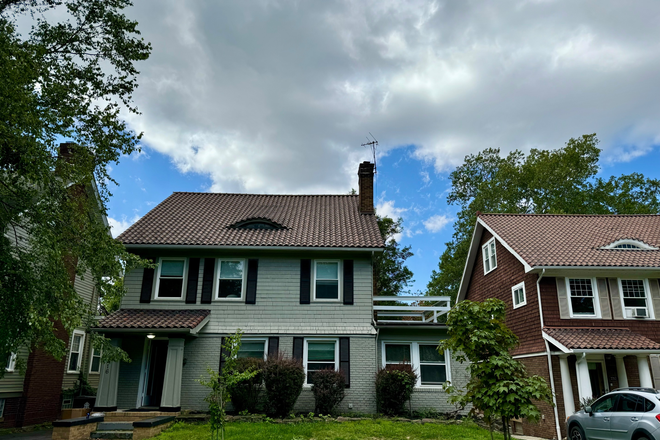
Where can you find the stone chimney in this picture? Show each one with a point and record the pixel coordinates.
(366, 187)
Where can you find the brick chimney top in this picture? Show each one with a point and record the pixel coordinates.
(366, 187)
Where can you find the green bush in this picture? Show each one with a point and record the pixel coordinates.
(245, 394)
(328, 390)
(284, 380)
(394, 386)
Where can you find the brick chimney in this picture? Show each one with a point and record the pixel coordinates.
(366, 187)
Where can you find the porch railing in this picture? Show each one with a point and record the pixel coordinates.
(413, 311)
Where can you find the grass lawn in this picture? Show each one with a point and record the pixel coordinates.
(365, 429)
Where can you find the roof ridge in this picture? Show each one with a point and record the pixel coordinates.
(266, 195)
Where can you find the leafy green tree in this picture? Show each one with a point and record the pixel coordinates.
(390, 272)
(561, 181)
(499, 385)
(68, 79)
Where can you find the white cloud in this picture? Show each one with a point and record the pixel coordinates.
(277, 96)
(386, 208)
(119, 226)
(436, 223)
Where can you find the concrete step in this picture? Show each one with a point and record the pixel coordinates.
(112, 435)
(115, 426)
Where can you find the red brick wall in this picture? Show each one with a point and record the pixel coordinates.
(523, 321)
(545, 428)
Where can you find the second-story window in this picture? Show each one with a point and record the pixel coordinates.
(170, 278)
(582, 297)
(230, 279)
(519, 297)
(75, 351)
(633, 293)
(326, 280)
(11, 362)
(489, 257)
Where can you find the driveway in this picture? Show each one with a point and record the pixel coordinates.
(33, 435)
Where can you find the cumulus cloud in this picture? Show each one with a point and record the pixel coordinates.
(436, 223)
(277, 96)
(119, 226)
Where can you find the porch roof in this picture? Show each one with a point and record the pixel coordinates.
(569, 339)
(149, 319)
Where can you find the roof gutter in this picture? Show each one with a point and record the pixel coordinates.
(544, 268)
(252, 248)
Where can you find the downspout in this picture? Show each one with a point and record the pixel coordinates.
(547, 352)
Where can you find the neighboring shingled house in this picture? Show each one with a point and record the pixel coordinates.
(582, 296)
(294, 272)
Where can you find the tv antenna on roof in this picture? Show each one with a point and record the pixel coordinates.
(373, 143)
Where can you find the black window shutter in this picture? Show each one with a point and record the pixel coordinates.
(193, 278)
(348, 282)
(251, 291)
(223, 354)
(345, 359)
(305, 280)
(207, 281)
(147, 285)
(273, 346)
(298, 348)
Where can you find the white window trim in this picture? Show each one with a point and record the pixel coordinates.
(594, 288)
(185, 277)
(308, 340)
(340, 281)
(12, 364)
(641, 246)
(486, 248)
(415, 360)
(647, 293)
(80, 352)
(216, 279)
(91, 360)
(513, 295)
(264, 340)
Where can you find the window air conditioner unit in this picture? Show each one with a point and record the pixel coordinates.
(639, 313)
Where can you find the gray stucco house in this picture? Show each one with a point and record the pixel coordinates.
(294, 272)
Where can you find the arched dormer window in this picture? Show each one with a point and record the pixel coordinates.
(628, 245)
(257, 223)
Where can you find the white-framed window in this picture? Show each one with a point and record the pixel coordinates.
(519, 295)
(2, 408)
(431, 366)
(95, 361)
(583, 297)
(10, 366)
(489, 256)
(253, 348)
(170, 280)
(635, 298)
(75, 351)
(327, 280)
(320, 354)
(628, 245)
(230, 279)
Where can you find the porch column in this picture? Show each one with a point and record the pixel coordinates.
(645, 380)
(584, 381)
(171, 399)
(566, 386)
(106, 396)
(621, 371)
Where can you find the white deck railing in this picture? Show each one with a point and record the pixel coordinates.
(413, 312)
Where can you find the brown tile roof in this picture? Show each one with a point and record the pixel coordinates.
(206, 219)
(154, 319)
(600, 338)
(576, 240)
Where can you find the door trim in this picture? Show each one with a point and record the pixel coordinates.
(146, 351)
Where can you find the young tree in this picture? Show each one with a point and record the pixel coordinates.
(68, 79)
(390, 272)
(499, 385)
(559, 181)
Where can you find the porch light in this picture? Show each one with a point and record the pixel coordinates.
(151, 335)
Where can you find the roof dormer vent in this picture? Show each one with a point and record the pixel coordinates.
(257, 223)
(630, 245)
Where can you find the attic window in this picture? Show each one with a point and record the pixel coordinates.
(629, 245)
(257, 223)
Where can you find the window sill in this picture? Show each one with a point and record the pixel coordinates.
(429, 388)
(229, 299)
(168, 299)
(72, 372)
(519, 306)
(585, 317)
(493, 269)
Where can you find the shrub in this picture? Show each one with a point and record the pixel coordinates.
(394, 386)
(245, 394)
(328, 389)
(284, 380)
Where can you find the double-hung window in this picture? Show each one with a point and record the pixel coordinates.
(519, 297)
(95, 362)
(583, 298)
(326, 280)
(170, 278)
(635, 298)
(253, 348)
(397, 354)
(489, 256)
(11, 362)
(230, 283)
(320, 354)
(431, 366)
(75, 351)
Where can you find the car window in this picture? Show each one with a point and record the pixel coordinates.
(605, 404)
(648, 405)
(630, 403)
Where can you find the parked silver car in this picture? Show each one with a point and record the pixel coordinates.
(623, 414)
